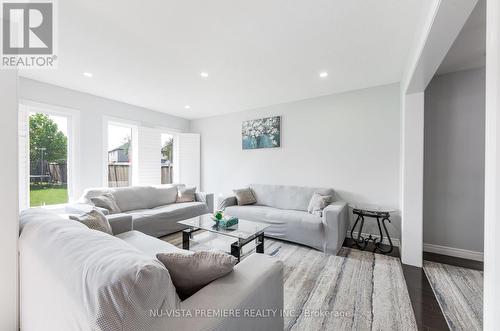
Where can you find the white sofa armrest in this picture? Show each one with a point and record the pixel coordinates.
(254, 287)
(335, 218)
(120, 223)
(207, 198)
(227, 202)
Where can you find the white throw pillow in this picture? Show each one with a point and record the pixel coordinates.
(106, 201)
(318, 202)
(245, 196)
(95, 220)
(186, 194)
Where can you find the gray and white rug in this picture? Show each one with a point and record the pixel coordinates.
(459, 292)
(354, 290)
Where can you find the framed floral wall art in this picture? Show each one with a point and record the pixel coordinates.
(261, 133)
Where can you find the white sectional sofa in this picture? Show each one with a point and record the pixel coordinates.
(153, 209)
(284, 208)
(74, 278)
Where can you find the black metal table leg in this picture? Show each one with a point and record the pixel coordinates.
(260, 246)
(186, 236)
(362, 242)
(236, 250)
(378, 244)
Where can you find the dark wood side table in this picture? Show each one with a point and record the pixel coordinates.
(381, 215)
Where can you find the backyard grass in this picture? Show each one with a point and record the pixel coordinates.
(48, 195)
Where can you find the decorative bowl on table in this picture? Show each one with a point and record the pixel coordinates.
(222, 220)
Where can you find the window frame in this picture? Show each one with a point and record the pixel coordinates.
(73, 159)
(107, 120)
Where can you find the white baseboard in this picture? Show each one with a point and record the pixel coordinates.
(395, 241)
(455, 252)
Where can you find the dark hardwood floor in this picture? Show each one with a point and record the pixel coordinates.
(456, 261)
(428, 314)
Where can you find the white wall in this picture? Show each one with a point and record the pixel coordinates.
(92, 111)
(412, 173)
(9, 200)
(454, 160)
(349, 141)
(491, 306)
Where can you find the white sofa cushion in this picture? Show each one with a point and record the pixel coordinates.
(293, 225)
(286, 197)
(149, 245)
(163, 195)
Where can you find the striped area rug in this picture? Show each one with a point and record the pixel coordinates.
(353, 290)
(459, 292)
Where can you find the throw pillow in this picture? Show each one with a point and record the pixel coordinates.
(191, 272)
(94, 220)
(107, 201)
(245, 197)
(186, 194)
(318, 202)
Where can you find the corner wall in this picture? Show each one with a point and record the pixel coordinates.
(349, 141)
(454, 160)
(9, 201)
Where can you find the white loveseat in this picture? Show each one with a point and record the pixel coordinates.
(284, 208)
(74, 278)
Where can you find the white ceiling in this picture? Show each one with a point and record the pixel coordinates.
(257, 53)
(469, 49)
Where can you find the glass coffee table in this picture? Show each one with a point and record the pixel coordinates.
(244, 233)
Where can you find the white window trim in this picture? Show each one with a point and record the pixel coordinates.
(116, 121)
(73, 116)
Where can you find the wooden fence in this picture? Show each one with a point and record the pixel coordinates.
(119, 174)
(55, 173)
(166, 174)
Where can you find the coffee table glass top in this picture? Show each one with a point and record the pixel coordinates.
(242, 230)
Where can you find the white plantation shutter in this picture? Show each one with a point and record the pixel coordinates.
(24, 158)
(187, 167)
(148, 157)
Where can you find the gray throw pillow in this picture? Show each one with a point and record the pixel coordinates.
(107, 201)
(191, 272)
(245, 196)
(94, 220)
(318, 202)
(186, 194)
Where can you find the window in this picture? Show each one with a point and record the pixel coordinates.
(48, 159)
(47, 154)
(167, 158)
(119, 155)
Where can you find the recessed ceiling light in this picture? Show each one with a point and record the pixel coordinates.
(87, 74)
(187, 106)
(323, 74)
(204, 74)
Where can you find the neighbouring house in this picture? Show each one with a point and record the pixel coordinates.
(117, 155)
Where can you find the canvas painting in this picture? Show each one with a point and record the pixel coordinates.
(261, 133)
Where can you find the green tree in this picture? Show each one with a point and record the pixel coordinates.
(44, 133)
(127, 143)
(168, 149)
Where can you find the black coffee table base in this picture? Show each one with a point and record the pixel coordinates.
(361, 242)
(236, 247)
